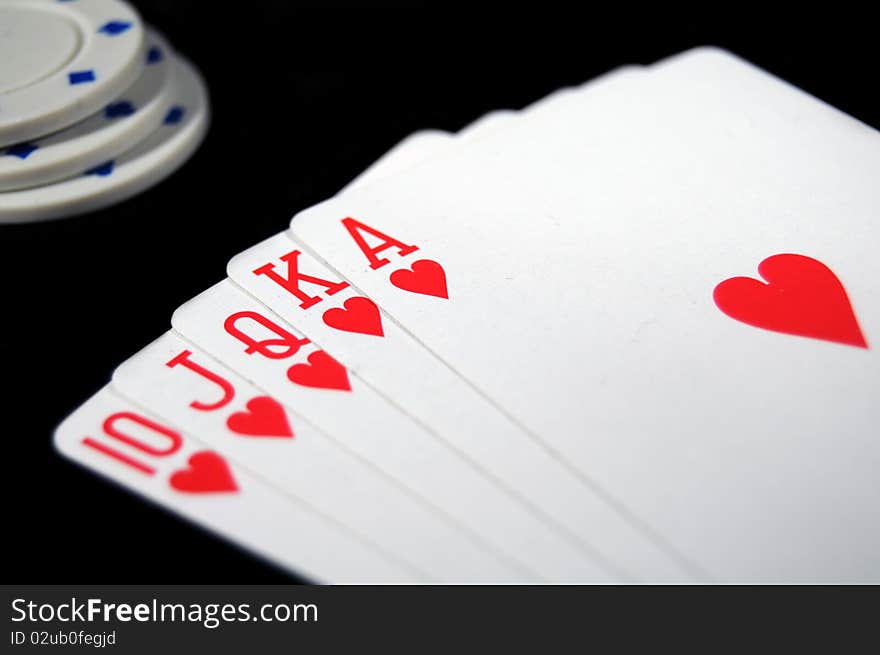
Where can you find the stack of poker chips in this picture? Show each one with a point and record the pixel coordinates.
(95, 107)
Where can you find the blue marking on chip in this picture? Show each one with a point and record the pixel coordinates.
(174, 115)
(21, 150)
(115, 27)
(119, 109)
(101, 170)
(155, 55)
(81, 77)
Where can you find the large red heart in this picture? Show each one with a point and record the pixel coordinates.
(322, 372)
(207, 473)
(264, 418)
(360, 315)
(802, 296)
(426, 276)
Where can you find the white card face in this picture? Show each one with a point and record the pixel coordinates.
(340, 320)
(148, 456)
(593, 265)
(194, 392)
(243, 334)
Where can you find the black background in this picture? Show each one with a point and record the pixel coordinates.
(81, 295)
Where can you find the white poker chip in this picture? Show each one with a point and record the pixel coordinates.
(128, 119)
(145, 165)
(62, 60)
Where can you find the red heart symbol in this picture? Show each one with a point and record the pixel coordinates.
(322, 372)
(264, 418)
(426, 276)
(207, 473)
(802, 296)
(360, 315)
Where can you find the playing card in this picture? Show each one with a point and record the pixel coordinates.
(194, 392)
(671, 286)
(243, 334)
(141, 452)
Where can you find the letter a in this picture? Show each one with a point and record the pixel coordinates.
(355, 228)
